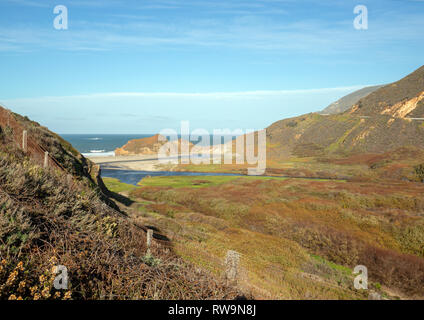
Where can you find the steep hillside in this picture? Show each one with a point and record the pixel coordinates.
(47, 219)
(315, 135)
(348, 101)
(61, 154)
(377, 123)
(40, 139)
(400, 99)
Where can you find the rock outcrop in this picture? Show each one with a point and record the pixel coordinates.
(147, 146)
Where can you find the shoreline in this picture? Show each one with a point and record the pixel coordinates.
(139, 162)
(134, 162)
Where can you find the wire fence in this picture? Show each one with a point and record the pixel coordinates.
(23, 140)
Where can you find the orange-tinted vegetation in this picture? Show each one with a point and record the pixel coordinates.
(379, 225)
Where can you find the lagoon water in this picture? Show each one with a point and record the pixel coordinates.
(133, 177)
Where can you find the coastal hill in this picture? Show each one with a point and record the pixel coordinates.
(384, 120)
(401, 99)
(348, 101)
(149, 145)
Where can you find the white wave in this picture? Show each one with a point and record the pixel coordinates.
(99, 153)
(94, 139)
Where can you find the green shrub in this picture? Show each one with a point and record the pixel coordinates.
(419, 172)
(291, 124)
(151, 261)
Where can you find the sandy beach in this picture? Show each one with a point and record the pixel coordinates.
(139, 162)
(135, 162)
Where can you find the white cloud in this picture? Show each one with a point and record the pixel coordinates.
(208, 95)
(254, 28)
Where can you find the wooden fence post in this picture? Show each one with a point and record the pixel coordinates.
(46, 159)
(25, 141)
(149, 239)
(232, 265)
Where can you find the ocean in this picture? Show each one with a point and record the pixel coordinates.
(100, 144)
(105, 144)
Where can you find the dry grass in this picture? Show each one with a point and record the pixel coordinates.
(347, 223)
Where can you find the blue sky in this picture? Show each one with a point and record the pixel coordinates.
(141, 66)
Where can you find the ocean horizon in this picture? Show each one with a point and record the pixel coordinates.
(100, 144)
(104, 145)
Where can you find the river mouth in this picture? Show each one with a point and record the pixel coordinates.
(135, 176)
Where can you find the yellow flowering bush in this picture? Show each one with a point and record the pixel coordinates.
(17, 283)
